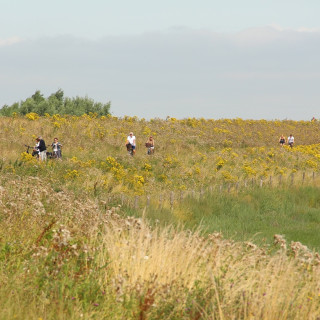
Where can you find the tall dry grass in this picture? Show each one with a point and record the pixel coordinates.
(64, 257)
(237, 280)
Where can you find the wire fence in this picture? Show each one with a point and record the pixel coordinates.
(170, 198)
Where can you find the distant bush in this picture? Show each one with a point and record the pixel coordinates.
(56, 103)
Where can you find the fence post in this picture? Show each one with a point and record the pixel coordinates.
(303, 177)
(181, 195)
(270, 180)
(280, 179)
(220, 188)
(122, 199)
(160, 201)
(313, 176)
(136, 200)
(261, 182)
(171, 199)
(292, 178)
(201, 193)
(252, 182)
(148, 201)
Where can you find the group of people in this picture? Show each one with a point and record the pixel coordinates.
(40, 149)
(282, 140)
(131, 144)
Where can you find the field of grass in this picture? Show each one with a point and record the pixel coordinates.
(255, 214)
(88, 237)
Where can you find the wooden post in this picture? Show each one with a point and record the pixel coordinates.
(270, 180)
(193, 194)
(245, 183)
(160, 201)
(303, 177)
(220, 188)
(252, 182)
(261, 182)
(201, 193)
(280, 179)
(292, 177)
(122, 199)
(148, 201)
(181, 195)
(237, 186)
(136, 202)
(313, 176)
(171, 199)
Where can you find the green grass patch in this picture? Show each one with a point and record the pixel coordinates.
(254, 214)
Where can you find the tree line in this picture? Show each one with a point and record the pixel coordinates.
(56, 103)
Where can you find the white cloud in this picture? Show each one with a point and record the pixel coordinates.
(304, 29)
(273, 33)
(300, 29)
(9, 41)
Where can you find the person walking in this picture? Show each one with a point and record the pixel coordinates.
(56, 149)
(131, 141)
(150, 145)
(42, 149)
(291, 140)
(282, 140)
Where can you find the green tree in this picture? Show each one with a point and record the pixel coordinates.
(38, 97)
(56, 103)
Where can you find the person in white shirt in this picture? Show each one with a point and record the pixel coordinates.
(132, 141)
(291, 140)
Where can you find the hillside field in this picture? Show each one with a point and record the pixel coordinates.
(221, 222)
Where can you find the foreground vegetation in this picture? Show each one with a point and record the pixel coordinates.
(75, 244)
(68, 258)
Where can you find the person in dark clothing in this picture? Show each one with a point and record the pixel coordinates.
(282, 140)
(42, 149)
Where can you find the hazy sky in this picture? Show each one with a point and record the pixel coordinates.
(214, 59)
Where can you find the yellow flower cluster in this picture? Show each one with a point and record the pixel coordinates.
(71, 174)
(32, 116)
(114, 167)
(220, 163)
(249, 171)
(26, 157)
(170, 162)
(228, 177)
(147, 167)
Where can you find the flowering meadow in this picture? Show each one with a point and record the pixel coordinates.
(86, 238)
(190, 154)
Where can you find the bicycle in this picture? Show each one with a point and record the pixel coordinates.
(35, 153)
(150, 147)
(129, 149)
